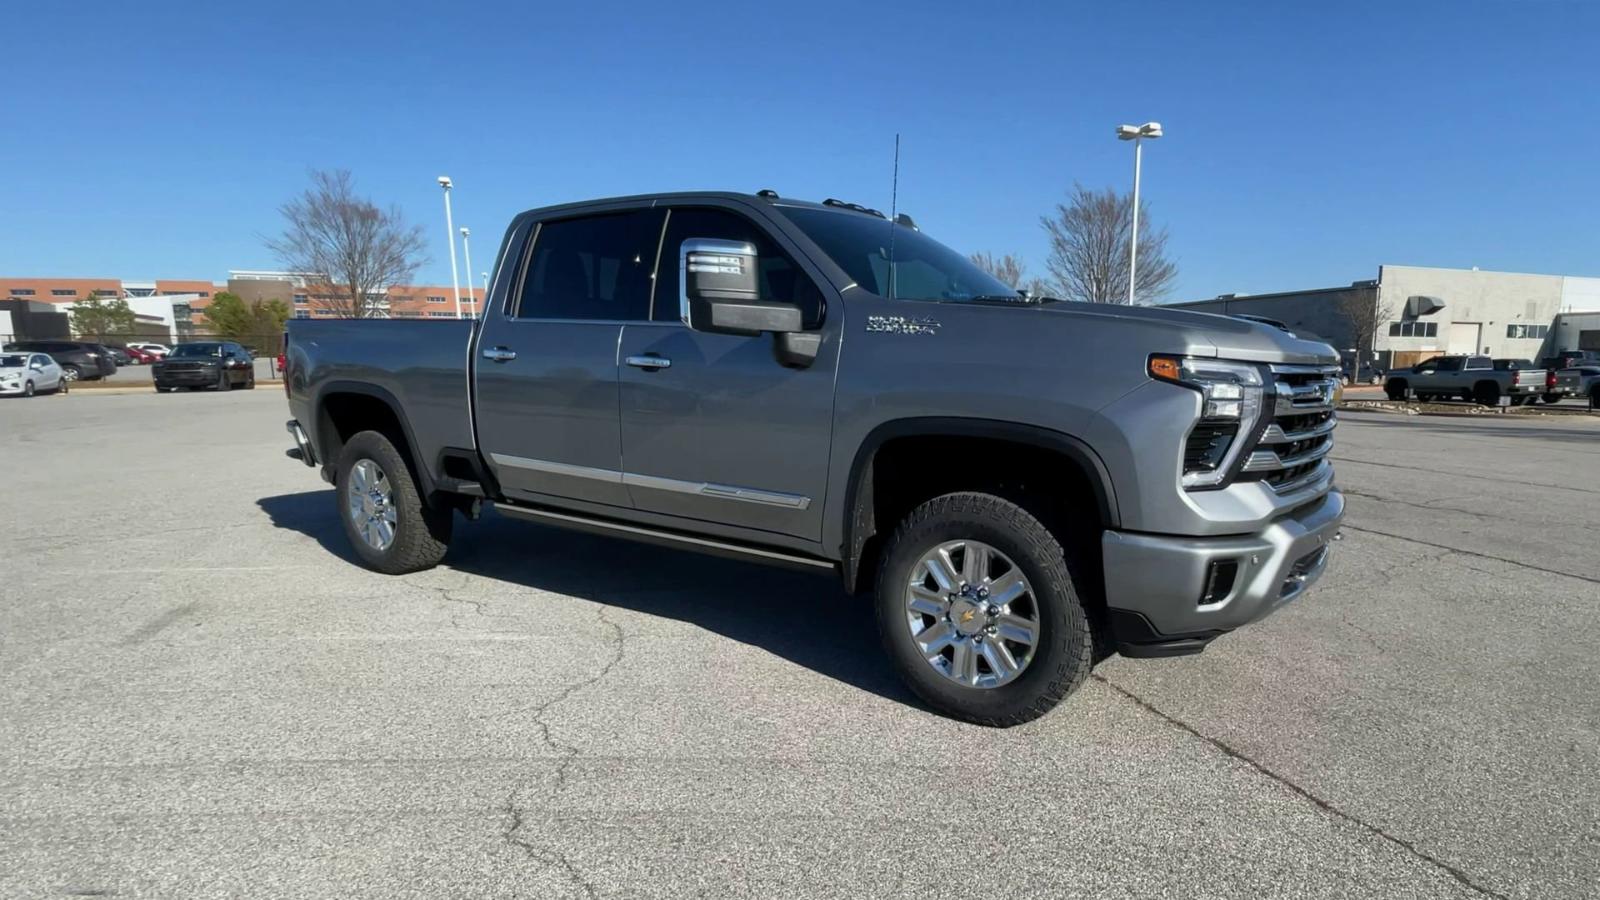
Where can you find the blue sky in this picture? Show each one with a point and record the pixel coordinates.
(1306, 144)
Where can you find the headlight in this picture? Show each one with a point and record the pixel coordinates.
(1232, 395)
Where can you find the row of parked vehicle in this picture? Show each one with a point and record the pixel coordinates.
(91, 360)
(30, 367)
(1517, 382)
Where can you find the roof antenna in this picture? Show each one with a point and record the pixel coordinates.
(894, 205)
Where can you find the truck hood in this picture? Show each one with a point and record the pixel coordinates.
(1208, 334)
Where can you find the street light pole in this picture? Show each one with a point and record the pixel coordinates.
(485, 286)
(466, 251)
(1137, 134)
(450, 235)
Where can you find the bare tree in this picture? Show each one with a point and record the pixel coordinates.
(1365, 311)
(1089, 249)
(1011, 270)
(348, 249)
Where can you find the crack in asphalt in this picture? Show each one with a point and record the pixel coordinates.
(1473, 553)
(1326, 806)
(1429, 505)
(549, 858)
(446, 594)
(1438, 471)
(569, 753)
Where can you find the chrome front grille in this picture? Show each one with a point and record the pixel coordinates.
(1292, 451)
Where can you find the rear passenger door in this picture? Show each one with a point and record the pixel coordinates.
(546, 365)
(714, 428)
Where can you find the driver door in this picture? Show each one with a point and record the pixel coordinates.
(714, 428)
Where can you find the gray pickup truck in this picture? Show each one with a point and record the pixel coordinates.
(1024, 485)
(1477, 379)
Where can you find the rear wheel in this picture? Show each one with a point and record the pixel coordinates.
(1395, 390)
(1486, 393)
(388, 525)
(72, 373)
(980, 612)
(1552, 398)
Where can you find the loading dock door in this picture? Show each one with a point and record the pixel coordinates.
(1464, 338)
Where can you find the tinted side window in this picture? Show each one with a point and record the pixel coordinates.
(782, 280)
(597, 267)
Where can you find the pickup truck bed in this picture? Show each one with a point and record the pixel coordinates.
(417, 367)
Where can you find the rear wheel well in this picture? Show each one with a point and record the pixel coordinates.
(342, 415)
(905, 472)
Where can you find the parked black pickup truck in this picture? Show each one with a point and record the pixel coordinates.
(1024, 484)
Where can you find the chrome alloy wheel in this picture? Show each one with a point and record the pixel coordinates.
(371, 504)
(972, 614)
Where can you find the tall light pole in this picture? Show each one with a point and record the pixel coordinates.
(485, 286)
(466, 251)
(1137, 134)
(450, 235)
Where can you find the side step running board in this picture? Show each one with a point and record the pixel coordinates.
(648, 535)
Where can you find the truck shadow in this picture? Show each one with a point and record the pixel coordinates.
(805, 618)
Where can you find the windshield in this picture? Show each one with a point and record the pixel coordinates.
(193, 351)
(924, 269)
(11, 361)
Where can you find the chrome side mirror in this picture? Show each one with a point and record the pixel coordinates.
(720, 290)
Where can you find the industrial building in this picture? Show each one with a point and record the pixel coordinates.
(1426, 312)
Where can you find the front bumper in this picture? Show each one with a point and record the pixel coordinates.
(1171, 595)
(186, 378)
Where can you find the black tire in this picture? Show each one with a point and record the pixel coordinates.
(223, 382)
(61, 386)
(163, 390)
(27, 389)
(1066, 647)
(1486, 393)
(1395, 390)
(422, 535)
(250, 381)
(1594, 397)
(1552, 398)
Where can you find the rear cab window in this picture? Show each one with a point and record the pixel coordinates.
(591, 268)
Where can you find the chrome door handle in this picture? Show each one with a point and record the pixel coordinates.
(649, 362)
(499, 354)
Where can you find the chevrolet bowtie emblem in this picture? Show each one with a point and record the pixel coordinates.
(967, 616)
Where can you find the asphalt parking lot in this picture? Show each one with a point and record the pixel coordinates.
(203, 696)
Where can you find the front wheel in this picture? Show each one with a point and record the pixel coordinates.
(72, 373)
(979, 611)
(384, 517)
(27, 389)
(1552, 398)
(61, 385)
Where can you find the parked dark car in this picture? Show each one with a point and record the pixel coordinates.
(77, 359)
(213, 365)
(119, 355)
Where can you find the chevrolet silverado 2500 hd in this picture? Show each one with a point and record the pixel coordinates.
(1022, 484)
